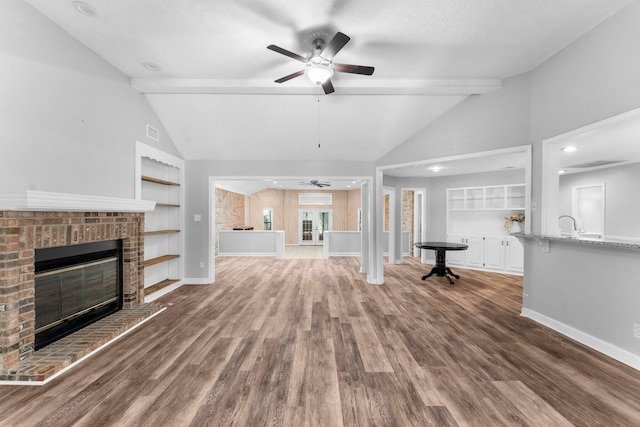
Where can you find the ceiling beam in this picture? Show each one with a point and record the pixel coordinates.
(350, 87)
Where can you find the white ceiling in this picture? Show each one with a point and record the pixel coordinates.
(215, 93)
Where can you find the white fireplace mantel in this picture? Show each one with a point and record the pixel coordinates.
(32, 200)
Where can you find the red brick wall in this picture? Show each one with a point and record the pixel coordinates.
(21, 233)
(407, 214)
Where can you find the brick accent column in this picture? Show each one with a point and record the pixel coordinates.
(21, 233)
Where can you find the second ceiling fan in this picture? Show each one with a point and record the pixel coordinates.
(319, 63)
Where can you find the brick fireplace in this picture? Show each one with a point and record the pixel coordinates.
(23, 231)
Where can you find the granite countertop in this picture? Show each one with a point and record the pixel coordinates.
(604, 242)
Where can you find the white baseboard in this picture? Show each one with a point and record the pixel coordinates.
(344, 254)
(198, 281)
(597, 344)
(269, 254)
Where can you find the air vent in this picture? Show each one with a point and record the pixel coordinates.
(153, 133)
(595, 164)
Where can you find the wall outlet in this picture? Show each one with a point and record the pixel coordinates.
(636, 330)
(202, 265)
(197, 217)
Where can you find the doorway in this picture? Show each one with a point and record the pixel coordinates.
(312, 223)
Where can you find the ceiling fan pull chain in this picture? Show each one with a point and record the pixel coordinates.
(318, 101)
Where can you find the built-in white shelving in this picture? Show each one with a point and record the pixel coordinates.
(476, 216)
(159, 178)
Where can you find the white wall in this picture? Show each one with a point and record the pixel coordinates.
(68, 119)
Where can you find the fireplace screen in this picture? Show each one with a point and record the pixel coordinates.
(74, 291)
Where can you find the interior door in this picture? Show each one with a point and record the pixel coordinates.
(312, 225)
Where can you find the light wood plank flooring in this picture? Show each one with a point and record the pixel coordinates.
(308, 342)
(302, 252)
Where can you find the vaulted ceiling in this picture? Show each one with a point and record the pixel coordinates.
(214, 90)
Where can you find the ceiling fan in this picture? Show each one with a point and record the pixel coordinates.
(316, 183)
(319, 62)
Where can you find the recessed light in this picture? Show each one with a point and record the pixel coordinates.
(569, 148)
(436, 168)
(275, 182)
(151, 66)
(563, 171)
(84, 8)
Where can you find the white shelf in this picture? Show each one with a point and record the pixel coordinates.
(159, 178)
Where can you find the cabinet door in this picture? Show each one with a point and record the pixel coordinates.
(474, 198)
(474, 256)
(494, 251)
(514, 255)
(455, 198)
(455, 257)
(515, 196)
(494, 197)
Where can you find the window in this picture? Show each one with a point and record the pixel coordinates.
(267, 214)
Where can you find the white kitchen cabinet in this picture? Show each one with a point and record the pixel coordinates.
(514, 255)
(490, 252)
(455, 257)
(472, 257)
(475, 216)
(494, 253)
(496, 197)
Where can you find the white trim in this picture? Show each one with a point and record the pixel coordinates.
(355, 87)
(590, 341)
(39, 383)
(246, 254)
(334, 254)
(32, 200)
(198, 281)
(162, 292)
(144, 150)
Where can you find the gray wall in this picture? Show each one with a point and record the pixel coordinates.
(621, 197)
(594, 78)
(68, 119)
(499, 119)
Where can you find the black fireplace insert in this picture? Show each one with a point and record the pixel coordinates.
(74, 287)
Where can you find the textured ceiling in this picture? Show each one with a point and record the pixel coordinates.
(215, 92)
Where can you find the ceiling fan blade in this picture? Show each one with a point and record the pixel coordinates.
(337, 42)
(327, 86)
(354, 69)
(290, 76)
(285, 52)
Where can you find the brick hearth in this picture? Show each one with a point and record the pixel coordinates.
(22, 232)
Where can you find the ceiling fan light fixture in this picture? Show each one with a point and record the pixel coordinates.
(319, 70)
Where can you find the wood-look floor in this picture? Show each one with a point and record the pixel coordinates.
(302, 252)
(308, 342)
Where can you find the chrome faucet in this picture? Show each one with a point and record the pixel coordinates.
(575, 225)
